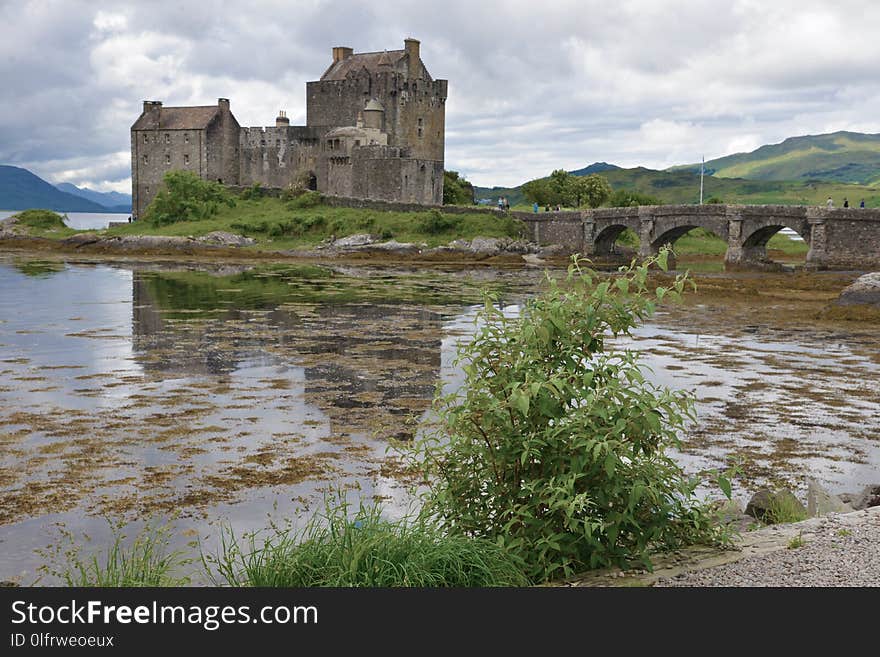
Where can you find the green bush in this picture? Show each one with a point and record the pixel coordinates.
(186, 197)
(625, 198)
(555, 448)
(435, 222)
(306, 200)
(40, 219)
(364, 550)
(252, 193)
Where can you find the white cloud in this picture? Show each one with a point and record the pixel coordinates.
(533, 86)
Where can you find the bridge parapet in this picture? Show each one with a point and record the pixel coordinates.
(842, 238)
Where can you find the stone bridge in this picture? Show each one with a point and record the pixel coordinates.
(838, 239)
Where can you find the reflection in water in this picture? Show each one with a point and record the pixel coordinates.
(231, 393)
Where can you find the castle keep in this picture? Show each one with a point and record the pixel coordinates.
(374, 129)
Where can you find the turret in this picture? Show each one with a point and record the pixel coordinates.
(374, 115)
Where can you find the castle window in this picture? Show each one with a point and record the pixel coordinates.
(357, 142)
(167, 138)
(185, 137)
(420, 132)
(146, 159)
(168, 159)
(277, 143)
(186, 159)
(146, 138)
(262, 142)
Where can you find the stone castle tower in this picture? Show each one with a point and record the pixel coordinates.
(375, 129)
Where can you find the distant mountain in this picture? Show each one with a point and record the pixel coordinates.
(21, 190)
(114, 201)
(596, 167)
(848, 157)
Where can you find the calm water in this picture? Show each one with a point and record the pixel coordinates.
(240, 395)
(82, 220)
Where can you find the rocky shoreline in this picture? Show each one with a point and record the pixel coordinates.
(839, 546)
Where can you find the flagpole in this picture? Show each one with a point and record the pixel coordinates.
(702, 165)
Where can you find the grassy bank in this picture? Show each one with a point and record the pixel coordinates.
(278, 224)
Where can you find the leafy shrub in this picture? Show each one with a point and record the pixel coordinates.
(435, 222)
(366, 550)
(186, 197)
(252, 193)
(306, 200)
(555, 448)
(626, 198)
(40, 219)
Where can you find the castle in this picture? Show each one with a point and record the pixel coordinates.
(374, 129)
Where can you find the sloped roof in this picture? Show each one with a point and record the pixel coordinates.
(368, 60)
(177, 118)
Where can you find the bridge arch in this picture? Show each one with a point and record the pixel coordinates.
(751, 248)
(604, 243)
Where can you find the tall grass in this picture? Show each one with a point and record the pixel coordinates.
(146, 561)
(334, 549)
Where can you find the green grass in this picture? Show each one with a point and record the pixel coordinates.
(280, 224)
(145, 561)
(784, 509)
(43, 223)
(797, 542)
(365, 550)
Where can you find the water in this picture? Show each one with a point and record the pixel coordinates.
(241, 394)
(82, 220)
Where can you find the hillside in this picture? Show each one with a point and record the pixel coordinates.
(20, 190)
(683, 186)
(113, 201)
(849, 157)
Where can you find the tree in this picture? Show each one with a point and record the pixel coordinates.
(457, 190)
(627, 198)
(590, 190)
(563, 188)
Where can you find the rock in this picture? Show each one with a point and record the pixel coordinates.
(727, 511)
(396, 247)
(81, 239)
(765, 502)
(870, 496)
(820, 502)
(222, 238)
(865, 290)
(361, 239)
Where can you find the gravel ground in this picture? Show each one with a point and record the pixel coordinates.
(837, 550)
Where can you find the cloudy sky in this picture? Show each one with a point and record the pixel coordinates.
(533, 86)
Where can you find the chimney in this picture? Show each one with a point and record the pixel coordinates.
(223, 104)
(281, 121)
(341, 52)
(152, 105)
(414, 67)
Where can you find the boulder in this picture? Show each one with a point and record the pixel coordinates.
(865, 290)
(361, 239)
(870, 496)
(765, 501)
(820, 502)
(222, 238)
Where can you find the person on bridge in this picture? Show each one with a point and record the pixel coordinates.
(845, 202)
(829, 203)
(862, 203)
(535, 207)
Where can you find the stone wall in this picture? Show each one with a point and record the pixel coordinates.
(277, 156)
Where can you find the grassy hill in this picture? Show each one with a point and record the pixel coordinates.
(848, 157)
(683, 186)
